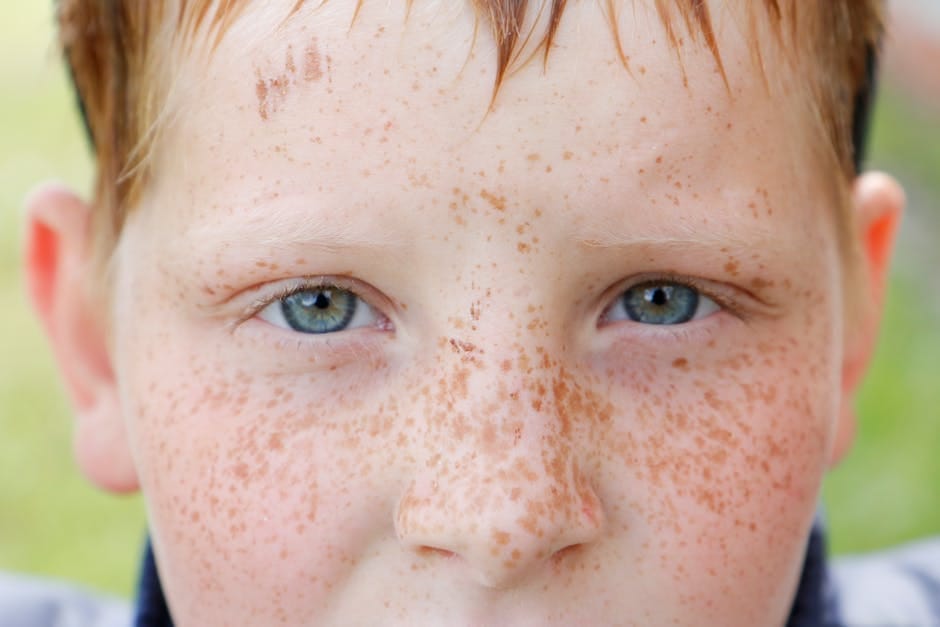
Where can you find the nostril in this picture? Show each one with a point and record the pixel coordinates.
(560, 555)
(433, 551)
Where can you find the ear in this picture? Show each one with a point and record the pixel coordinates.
(59, 278)
(878, 203)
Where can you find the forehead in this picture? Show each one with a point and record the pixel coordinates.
(396, 113)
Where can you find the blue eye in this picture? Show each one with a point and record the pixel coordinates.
(661, 303)
(319, 310)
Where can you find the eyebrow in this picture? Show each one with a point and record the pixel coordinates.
(281, 231)
(751, 256)
(679, 236)
(711, 240)
(293, 223)
(276, 230)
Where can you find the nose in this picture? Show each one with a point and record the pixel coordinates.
(508, 498)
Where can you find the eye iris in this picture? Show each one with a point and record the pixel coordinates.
(661, 303)
(319, 310)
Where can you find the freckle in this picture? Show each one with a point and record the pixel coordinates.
(291, 67)
(533, 156)
(643, 119)
(500, 537)
(659, 159)
(313, 69)
(497, 202)
(681, 363)
(732, 268)
(261, 90)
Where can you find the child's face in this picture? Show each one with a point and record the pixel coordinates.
(499, 434)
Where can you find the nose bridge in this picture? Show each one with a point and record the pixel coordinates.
(502, 485)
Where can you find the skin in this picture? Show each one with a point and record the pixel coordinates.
(497, 447)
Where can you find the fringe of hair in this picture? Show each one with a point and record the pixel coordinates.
(108, 46)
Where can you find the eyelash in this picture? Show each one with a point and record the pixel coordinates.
(299, 285)
(722, 297)
(726, 302)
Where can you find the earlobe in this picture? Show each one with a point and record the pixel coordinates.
(101, 447)
(878, 204)
(57, 271)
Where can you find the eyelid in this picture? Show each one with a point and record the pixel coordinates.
(273, 292)
(737, 301)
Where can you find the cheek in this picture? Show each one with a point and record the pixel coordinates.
(721, 467)
(247, 479)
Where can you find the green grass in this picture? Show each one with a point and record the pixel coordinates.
(907, 135)
(51, 522)
(885, 491)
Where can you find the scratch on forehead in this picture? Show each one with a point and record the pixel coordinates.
(273, 88)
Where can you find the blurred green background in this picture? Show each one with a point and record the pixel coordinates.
(52, 523)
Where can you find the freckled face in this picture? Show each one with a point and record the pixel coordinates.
(387, 360)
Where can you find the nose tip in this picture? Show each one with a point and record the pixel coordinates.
(500, 540)
(512, 557)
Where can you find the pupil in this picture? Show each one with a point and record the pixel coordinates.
(322, 301)
(659, 297)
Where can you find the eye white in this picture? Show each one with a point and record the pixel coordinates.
(364, 316)
(617, 311)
